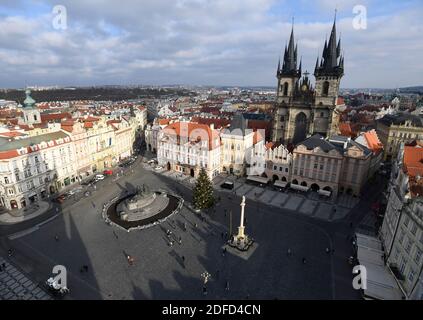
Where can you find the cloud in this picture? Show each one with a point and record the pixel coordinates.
(217, 42)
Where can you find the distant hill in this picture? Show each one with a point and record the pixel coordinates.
(94, 93)
(415, 89)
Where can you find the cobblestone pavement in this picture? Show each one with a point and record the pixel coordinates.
(311, 204)
(14, 285)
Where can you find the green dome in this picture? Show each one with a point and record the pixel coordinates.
(28, 102)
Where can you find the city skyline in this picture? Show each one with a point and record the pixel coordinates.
(203, 43)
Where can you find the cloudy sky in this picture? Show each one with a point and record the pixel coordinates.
(205, 42)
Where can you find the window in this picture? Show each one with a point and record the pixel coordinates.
(285, 89)
(414, 229)
(315, 165)
(408, 246)
(325, 89)
(418, 256)
(406, 221)
(6, 180)
(411, 275)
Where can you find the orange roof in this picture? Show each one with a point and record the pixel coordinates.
(88, 125)
(192, 132)
(345, 129)
(413, 161)
(340, 101)
(373, 141)
(257, 137)
(164, 122)
(11, 134)
(413, 166)
(55, 116)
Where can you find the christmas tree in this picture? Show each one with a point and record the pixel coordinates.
(203, 192)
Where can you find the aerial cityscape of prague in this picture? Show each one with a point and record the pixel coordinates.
(211, 150)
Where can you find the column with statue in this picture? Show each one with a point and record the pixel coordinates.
(241, 241)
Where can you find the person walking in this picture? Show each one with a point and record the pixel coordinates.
(289, 252)
(227, 285)
(304, 261)
(56, 237)
(327, 250)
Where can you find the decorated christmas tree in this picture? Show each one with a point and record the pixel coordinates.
(203, 192)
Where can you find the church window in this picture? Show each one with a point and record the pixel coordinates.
(285, 89)
(325, 89)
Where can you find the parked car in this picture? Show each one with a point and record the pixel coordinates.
(108, 172)
(99, 177)
(60, 198)
(227, 185)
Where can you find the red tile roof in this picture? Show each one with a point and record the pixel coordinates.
(192, 132)
(373, 141)
(413, 166)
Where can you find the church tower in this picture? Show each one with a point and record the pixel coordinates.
(288, 75)
(31, 114)
(302, 110)
(328, 72)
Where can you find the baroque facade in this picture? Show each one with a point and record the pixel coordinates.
(301, 109)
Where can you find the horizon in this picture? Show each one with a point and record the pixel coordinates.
(202, 43)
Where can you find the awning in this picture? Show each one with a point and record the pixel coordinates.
(324, 192)
(299, 187)
(381, 283)
(258, 179)
(281, 184)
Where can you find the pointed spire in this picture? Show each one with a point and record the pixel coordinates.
(331, 62)
(300, 67)
(289, 64)
(317, 64)
(279, 66)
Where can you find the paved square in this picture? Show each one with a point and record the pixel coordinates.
(279, 200)
(293, 202)
(308, 207)
(267, 196)
(244, 189)
(324, 211)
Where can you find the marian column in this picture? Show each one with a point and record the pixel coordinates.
(241, 227)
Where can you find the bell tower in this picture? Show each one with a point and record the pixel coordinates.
(288, 75)
(328, 72)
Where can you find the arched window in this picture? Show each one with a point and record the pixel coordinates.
(285, 89)
(325, 89)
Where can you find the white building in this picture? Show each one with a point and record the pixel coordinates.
(278, 163)
(402, 229)
(32, 167)
(187, 147)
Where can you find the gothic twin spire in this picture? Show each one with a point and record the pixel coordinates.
(332, 62)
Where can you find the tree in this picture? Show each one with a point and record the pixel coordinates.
(203, 192)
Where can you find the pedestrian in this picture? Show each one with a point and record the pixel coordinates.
(180, 240)
(57, 210)
(130, 260)
(288, 253)
(56, 237)
(304, 261)
(222, 234)
(223, 251)
(227, 285)
(351, 224)
(9, 252)
(327, 250)
(183, 259)
(195, 225)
